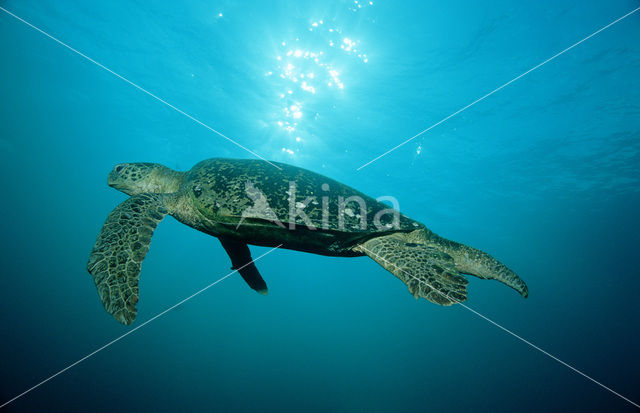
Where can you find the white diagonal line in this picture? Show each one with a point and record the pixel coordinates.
(499, 88)
(546, 353)
(134, 329)
(137, 87)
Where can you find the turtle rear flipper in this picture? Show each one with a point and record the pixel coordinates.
(427, 271)
(472, 261)
(120, 248)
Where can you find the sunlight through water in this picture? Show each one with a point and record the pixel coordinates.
(309, 67)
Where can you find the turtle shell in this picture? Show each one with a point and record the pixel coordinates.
(228, 191)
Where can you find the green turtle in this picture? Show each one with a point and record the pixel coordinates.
(272, 204)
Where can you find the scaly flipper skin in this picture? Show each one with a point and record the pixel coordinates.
(428, 272)
(431, 265)
(119, 250)
(472, 261)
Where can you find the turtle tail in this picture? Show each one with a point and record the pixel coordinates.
(478, 263)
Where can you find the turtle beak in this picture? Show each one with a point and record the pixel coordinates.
(114, 175)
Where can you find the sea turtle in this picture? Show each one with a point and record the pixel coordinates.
(242, 202)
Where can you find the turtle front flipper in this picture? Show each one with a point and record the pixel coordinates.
(241, 260)
(427, 271)
(120, 248)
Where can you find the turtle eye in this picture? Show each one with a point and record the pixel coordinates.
(119, 168)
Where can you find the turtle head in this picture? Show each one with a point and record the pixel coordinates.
(144, 177)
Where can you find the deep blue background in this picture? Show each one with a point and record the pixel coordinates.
(545, 175)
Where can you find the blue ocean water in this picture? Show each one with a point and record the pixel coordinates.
(544, 174)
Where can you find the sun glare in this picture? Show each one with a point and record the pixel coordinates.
(312, 66)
